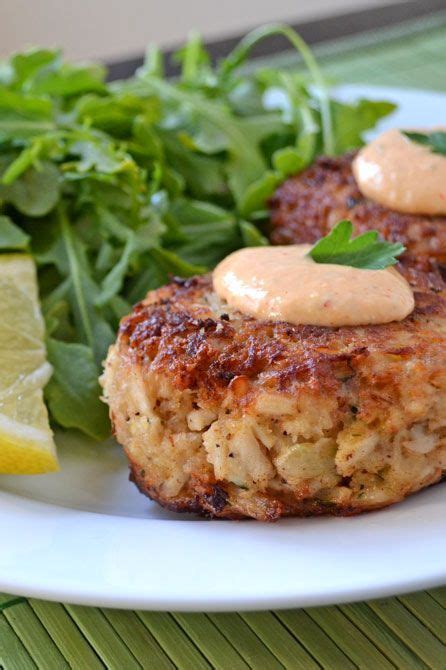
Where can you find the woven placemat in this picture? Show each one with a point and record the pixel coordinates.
(404, 632)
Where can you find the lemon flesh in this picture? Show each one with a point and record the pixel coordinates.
(26, 439)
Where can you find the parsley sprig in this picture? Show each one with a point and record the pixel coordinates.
(436, 141)
(367, 251)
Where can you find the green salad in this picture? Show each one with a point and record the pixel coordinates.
(115, 187)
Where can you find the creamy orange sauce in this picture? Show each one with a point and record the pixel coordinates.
(402, 175)
(284, 284)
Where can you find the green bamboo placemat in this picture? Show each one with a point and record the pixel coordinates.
(406, 632)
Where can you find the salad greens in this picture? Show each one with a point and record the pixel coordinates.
(366, 251)
(114, 187)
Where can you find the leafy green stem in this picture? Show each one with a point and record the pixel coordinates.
(75, 273)
(191, 56)
(239, 54)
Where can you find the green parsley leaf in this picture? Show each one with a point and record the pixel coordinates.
(436, 141)
(366, 251)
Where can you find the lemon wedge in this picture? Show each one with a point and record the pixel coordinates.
(26, 439)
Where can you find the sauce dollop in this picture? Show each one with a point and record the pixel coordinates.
(285, 284)
(402, 175)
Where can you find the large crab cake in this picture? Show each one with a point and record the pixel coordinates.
(229, 416)
(305, 207)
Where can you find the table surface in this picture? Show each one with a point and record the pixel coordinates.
(403, 632)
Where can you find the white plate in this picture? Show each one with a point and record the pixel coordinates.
(85, 535)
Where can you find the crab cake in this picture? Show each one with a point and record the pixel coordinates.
(229, 416)
(305, 208)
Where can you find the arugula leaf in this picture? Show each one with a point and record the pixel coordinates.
(26, 109)
(68, 80)
(158, 267)
(153, 63)
(79, 282)
(26, 65)
(209, 232)
(92, 327)
(251, 235)
(204, 175)
(436, 141)
(365, 251)
(258, 192)
(11, 236)
(195, 61)
(73, 391)
(112, 283)
(352, 120)
(288, 94)
(35, 192)
(117, 115)
(23, 162)
(14, 104)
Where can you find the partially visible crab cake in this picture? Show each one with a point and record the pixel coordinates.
(231, 416)
(394, 185)
(305, 207)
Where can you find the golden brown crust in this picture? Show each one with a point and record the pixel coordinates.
(305, 207)
(177, 331)
(212, 500)
(181, 348)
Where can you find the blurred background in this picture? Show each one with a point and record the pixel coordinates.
(114, 30)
